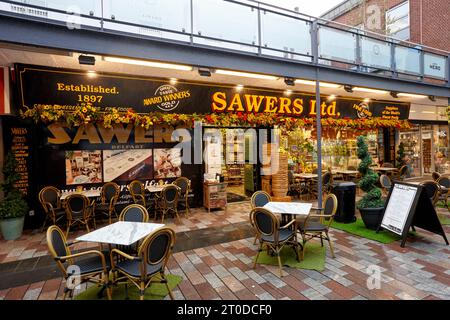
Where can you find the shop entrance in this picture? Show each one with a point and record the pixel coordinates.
(232, 154)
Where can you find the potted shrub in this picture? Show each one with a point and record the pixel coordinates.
(12, 207)
(371, 206)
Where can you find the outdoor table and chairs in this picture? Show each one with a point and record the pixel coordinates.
(272, 235)
(152, 254)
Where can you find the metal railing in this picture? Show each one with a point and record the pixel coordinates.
(249, 27)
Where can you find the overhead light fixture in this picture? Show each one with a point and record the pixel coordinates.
(429, 112)
(366, 100)
(288, 92)
(289, 81)
(322, 84)
(246, 74)
(369, 90)
(332, 97)
(411, 95)
(91, 74)
(173, 81)
(394, 94)
(239, 87)
(204, 72)
(348, 88)
(87, 60)
(145, 63)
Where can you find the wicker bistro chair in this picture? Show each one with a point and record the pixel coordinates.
(435, 175)
(148, 265)
(385, 183)
(185, 185)
(327, 184)
(258, 199)
(272, 235)
(132, 213)
(94, 268)
(168, 201)
(432, 189)
(294, 186)
(50, 199)
(317, 225)
(444, 186)
(137, 192)
(402, 173)
(79, 211)
(109, 196)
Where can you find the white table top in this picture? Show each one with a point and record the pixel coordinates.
(295, 208)
(347, 171)
(87, 193)
(306, 175)
(121, 232)
(385, 169)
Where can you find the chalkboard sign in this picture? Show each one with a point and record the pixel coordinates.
(409, 206)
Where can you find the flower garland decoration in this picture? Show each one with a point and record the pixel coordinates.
(84, 114)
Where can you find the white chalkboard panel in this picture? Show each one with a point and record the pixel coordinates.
(399, 207)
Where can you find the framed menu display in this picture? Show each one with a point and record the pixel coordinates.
(398, 207)
(409, 206)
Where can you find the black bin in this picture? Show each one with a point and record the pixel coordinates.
(345, 193)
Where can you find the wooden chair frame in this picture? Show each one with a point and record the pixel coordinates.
(112, 202)
(88, 213)
(322, 234)
(51, 212)
(185, 196)
(164, 206)
(144, 280)
(277, 245)
(97, 277)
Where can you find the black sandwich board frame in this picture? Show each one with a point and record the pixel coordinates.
(422, 214)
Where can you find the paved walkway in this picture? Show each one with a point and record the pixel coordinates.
(216, 263)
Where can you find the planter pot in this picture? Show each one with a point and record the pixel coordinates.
(372, 217)
(12, 228)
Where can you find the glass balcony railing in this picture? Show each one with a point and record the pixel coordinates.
(244, 26)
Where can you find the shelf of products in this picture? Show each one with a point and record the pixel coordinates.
(214, 195)
(233, 169)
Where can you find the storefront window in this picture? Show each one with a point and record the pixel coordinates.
(411, 141)
(441, 154)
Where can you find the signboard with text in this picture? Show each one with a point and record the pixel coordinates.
(44, 86)
(409, 206)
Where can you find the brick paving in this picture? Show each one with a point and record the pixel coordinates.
(421, 270)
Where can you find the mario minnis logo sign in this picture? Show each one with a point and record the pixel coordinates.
(362, 110)
(167, 97)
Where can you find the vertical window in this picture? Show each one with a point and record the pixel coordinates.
(397, 21)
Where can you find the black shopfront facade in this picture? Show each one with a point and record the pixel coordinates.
(89, 155)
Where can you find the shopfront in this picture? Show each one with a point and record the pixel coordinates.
(426, 143)
(92, 129)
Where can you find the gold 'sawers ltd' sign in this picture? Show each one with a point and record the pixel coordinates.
(71, 88)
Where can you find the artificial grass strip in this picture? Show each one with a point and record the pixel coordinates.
(444, 219)
(358, 228)
(314, 257)
(156, 291)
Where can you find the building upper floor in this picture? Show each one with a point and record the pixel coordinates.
(228, 34)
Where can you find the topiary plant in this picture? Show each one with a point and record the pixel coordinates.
(372, 198)
(400, 155)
